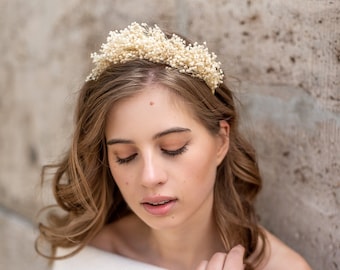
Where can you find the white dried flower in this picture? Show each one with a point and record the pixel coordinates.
(139, 41)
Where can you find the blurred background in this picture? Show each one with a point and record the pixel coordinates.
(286, 54)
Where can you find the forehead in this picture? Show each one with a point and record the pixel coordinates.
(153, 105)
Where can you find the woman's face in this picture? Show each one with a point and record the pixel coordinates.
(163, 160)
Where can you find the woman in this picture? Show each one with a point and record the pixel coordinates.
(157, 171)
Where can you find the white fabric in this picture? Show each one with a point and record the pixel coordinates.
(91, 258)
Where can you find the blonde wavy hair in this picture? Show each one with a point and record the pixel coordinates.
(85, 189)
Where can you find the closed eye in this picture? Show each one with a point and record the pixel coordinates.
(176, 152)
(126, 160)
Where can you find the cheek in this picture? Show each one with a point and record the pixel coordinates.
(201, 168)
(121, 178)
(125, 186)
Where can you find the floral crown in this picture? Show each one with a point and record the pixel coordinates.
(139, 41)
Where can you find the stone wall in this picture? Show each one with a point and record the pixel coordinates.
(285, 53)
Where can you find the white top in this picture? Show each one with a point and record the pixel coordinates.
(90, 258)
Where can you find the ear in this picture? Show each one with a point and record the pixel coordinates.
(223, 141)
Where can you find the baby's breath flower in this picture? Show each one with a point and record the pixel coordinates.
(139, 41)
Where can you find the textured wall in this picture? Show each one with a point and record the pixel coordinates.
(286, 54)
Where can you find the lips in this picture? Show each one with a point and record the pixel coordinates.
(159, 205)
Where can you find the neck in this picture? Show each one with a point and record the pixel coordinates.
(185, 247)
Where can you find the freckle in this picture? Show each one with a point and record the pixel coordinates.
(126, 183)
(151, 103)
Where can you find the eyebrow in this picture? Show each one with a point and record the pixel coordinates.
(156, 136)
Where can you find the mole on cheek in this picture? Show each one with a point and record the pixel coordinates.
(127, 183)
(151, 103)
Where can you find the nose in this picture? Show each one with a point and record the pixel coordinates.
(153, 173)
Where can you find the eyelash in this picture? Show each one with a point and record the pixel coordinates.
(176, 152)
(171, 153)
(125, 160)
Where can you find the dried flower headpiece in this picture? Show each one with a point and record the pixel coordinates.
(139, 41)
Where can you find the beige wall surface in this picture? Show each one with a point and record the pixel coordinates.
(286, 54)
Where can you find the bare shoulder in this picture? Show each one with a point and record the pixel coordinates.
(282, 257)
(120, 236)
(105, 239)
